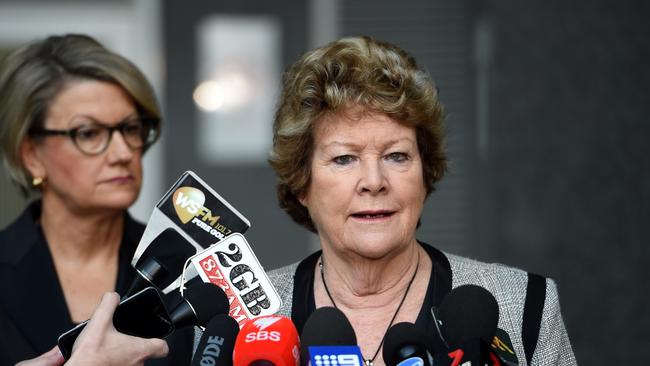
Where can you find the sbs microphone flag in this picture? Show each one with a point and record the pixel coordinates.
(267, 340)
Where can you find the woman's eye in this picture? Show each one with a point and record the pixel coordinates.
(133, 129)
(343, 159)
(397, 157)
(88, 133)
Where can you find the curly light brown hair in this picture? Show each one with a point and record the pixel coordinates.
(377, 76)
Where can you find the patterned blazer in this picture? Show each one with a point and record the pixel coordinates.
(507, 284)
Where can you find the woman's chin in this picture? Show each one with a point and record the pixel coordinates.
(121, 201)
(376, 247)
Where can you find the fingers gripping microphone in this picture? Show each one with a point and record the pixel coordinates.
(162, 261)
(267, 340)
(201, 302)
(217, 342)
(404, 345)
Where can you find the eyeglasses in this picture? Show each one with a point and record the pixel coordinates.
(94, 138)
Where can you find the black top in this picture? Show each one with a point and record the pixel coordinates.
(439, 285)
(33, 311)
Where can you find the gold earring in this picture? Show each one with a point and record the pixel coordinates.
(37, 181)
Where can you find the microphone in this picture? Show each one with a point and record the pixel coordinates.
(267, 340)
(201, 302)
(328, 338)
(469, 312)
(469, 316)
(404, 346)
(217, 342)
(502, 346)
(162, 261)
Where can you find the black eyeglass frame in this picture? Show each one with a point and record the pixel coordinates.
(147, 140)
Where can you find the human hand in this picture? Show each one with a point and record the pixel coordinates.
(101, 344)
(52, 357)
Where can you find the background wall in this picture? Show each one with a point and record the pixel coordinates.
(546, 104)
(565, 181)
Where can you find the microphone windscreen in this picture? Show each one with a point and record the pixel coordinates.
(326, 326)
(404, 341)
(267, 340)
(207, 300)
(469, 312)
(217, 342)
(171, 251)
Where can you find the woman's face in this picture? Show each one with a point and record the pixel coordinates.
(110, 180)
(367, 190)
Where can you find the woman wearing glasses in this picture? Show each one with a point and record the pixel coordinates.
(75, 120)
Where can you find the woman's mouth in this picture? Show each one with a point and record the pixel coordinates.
(120, 180)
(372, 215)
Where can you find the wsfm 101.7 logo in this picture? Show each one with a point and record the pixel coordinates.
(189, 206)
(335, 356)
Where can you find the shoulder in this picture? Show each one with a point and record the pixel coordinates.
(282, 280)
(509, 287)
(507, 284)
(493, 276)
(17, 239)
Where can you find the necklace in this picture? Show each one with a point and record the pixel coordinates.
(369, 361)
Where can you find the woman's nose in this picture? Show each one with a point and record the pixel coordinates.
(118, 149)
(373, 178)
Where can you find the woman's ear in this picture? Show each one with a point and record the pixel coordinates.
(31, 159)
(302, 198)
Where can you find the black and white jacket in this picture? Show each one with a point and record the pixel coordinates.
(547, 343)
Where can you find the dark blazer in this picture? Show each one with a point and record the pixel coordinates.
(33, 311)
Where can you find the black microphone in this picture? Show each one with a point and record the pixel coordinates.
(217, 342)
(201, 302)
(469, 316)
(162, 261)
(469, 312)
(404, 345)
(326, 326)
(502, 346)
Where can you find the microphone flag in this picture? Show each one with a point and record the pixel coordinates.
(194, 210)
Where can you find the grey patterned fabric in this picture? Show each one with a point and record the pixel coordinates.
(507, 284)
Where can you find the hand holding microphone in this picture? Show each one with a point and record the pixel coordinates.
(101, 344)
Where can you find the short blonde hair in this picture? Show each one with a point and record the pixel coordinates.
(33, 75)
(378, 76)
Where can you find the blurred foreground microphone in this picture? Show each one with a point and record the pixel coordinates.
(162, 261)
(217, 342)
(469, 316)
(201, 302)
(267, 340)
(329, 339)
(404, 345)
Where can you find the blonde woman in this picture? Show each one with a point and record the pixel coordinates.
(75, 120)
